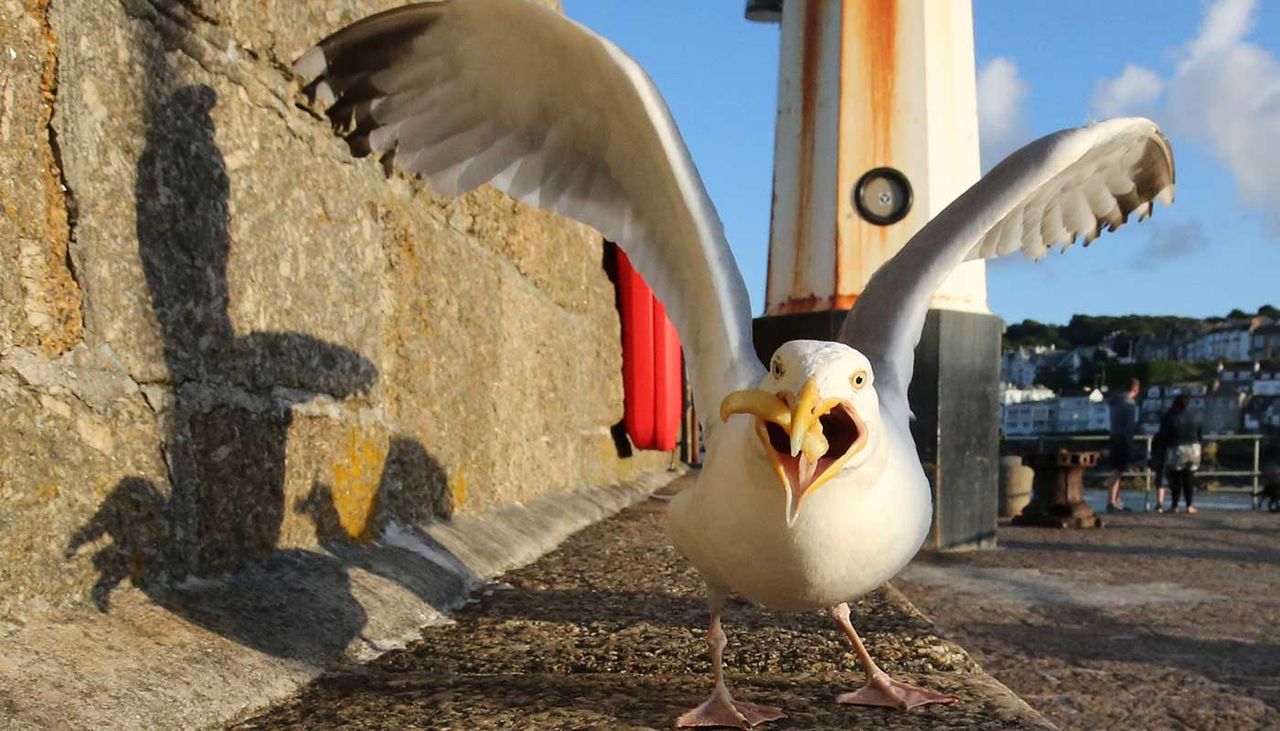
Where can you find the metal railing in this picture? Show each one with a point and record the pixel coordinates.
(1254, 475)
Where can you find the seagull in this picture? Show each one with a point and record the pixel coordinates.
(812, 493)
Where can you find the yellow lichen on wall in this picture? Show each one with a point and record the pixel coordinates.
(458, 489)
(40, 299)
(356, 478)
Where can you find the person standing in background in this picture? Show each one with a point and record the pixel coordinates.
(1180, 431)
(1124, 425)
(1157, 462)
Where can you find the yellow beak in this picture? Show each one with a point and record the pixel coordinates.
(803, 419)
(800, 417)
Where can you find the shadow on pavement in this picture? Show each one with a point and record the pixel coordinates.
(1102, 638)
(1238, 554)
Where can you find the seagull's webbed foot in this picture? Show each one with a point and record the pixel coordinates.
(721, 710)
(880, 690)
(883, 690)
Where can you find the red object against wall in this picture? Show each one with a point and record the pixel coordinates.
(651, 360)
(667, 397)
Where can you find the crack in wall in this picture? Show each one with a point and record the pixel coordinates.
(217, 52)
(193, 7)
(71, 207)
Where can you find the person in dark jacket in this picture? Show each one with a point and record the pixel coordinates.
(1180, 435)
(1124, 425)
(1159, 452)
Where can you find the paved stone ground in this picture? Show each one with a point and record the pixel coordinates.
(607, 632)
(1154, 621)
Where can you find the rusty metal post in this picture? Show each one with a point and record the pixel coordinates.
(877, 132)
(867, 89)
(691, 434)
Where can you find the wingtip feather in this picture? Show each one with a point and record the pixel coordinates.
(323, 95)
(311, 65)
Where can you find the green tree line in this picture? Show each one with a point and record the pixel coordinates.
(1085, 330)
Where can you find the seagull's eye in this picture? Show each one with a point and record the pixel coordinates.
(860, 379)
(776, 368)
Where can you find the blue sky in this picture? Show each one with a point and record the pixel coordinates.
(1206, 71)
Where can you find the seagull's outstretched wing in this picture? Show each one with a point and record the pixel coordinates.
(1073, 183)
(467, 92)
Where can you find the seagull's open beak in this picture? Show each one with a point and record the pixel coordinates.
(807, 438)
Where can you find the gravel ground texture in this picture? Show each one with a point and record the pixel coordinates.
(607, 632)
(1155, 621)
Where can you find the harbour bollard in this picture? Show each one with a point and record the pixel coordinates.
(1015, 486)
(1057, 491)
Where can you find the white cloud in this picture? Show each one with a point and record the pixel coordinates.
(1002, 127)
(1169, 241)
(1132, 92)
(1226, 22)
(1224, 94)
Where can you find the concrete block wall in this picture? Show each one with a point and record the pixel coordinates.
(221, 336)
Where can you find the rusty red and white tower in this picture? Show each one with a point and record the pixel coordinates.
(877, 132)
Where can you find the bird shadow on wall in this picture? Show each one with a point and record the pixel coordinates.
(226, 429)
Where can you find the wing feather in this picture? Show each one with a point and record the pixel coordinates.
(1070, 185)
(467, 92)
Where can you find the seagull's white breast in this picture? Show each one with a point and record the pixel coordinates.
(851, 535)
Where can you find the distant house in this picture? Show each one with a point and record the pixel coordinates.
(1073, 361)
(1266, 379)
(1018, 367)
(1219, 410)
(1010, 394)
(1257, 377)
(1231, 341)
(1264, 342)
(1079, 414)
(1026, 411)
(1029, 418)
(1238, 373)
(1037, 410)
(1244, 396)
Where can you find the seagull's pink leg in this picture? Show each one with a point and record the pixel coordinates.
(721, 709)
(880, 690)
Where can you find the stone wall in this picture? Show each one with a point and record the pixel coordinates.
(221, 336)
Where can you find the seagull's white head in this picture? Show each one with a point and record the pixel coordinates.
(816, 414)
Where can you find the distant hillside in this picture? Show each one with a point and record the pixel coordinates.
(1084, 330)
